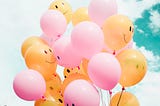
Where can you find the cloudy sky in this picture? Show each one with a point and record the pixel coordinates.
(19, 19)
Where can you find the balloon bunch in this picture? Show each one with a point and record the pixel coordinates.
(98, 54)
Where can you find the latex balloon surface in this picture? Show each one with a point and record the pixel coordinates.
(134, 67)
(64, 7)
(41, 58)
(81, 14)
(81, 93)
(127, 99)
(118, 31)
(30, 41)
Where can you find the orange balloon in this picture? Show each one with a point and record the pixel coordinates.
(85, 66)
(41, 58)
(127, 99)
(134, 67)
(73, 77)
(33, 40)
(118, 31)
(80, 15)
(68, 71)
(53, 86)
(46, 103)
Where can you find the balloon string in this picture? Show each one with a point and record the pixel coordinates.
(100, 91)
(110, 95)
(120, 96)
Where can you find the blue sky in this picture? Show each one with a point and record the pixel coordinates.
(20, 19)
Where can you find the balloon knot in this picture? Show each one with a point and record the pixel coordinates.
(114, 52)
(110, 92)
(43, 98)
(123, 88)
(78, 68)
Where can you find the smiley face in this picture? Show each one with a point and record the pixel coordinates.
(118, 31)
(64, 7)
(41, 58)
(53, 86)
(68, 71)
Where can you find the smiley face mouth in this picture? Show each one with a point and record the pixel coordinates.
(50, 62)
(124, 38)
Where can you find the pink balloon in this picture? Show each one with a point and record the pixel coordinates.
(66, 55)
(53, 23)
(104, 70)
(100, 10)
(87, 38)
(128, 46)
(81, 93)
(29, 85)
(50, 39)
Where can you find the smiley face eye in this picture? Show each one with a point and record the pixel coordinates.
(45, 51)
(130, 28)
(73, 105)
(56, 6)
(60, 100)
(62, 3)
(68, 70)
(50, 50)
(58, 57)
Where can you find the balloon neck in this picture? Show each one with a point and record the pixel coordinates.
(43, 98)
(114, 52)
(78, 67)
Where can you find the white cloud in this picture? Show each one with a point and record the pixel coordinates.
(133, 9)
(155, 21)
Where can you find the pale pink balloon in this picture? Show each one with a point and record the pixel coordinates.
(50, 39)
(104, 70)
(53, 23)
(87, 38)
(65, 54)
(81, 93)
(100, 10)
(29, 85)
(128, 46)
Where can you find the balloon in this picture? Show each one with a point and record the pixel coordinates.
(127, 99)
(85, 66)
(50, 39)
(73, 77)
(41, 58)
(69, 71)
(87, 38)
(104, 70)
(100, 10)
(134, 67)
(128, 46)
(24, 85)
(118, 31)
(27, 43)
(46, 103)
(65, 54)
(53, 86)
(53, 23)
(80, 15)
(64, 7)
(81, 93)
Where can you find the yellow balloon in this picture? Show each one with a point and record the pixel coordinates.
(64, 7)
(41, 59)
(46, 103)
(81, 14)
(53, 86)
(133, 65)
(118, 31)
(33, 40)
(127, 99)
